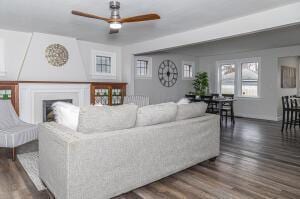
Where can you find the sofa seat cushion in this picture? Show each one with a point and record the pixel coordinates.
(99, 119)
(156, 114)
(187, 111)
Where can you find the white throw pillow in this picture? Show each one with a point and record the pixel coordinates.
(66, 114)
(187, 111)
(183, 101)
(156, 114)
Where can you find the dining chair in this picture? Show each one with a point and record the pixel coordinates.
(214, 104)
(295, 113)
(286, 112)
(208, 99)
(227, 109)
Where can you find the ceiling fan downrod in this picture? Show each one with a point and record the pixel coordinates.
(115, 8)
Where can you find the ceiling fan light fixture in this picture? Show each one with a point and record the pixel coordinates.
(115, 25)
(115, 21)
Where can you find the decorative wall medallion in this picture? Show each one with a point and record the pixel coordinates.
(167, 73)
(56, 55)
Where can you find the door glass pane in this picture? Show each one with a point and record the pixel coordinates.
(250, 79)
(227, 78)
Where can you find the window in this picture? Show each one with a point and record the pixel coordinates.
(249, 79)
(227, 78)
(103, 65)
(143, 67)
(188, 69)
(239, 77)
(2, 66)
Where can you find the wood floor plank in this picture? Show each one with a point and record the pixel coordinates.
(256, 161)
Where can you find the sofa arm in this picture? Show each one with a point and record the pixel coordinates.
(54, 140)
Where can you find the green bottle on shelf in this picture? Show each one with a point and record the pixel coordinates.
(5, 96)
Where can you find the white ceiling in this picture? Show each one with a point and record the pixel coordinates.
(53, 16)
(281, 37)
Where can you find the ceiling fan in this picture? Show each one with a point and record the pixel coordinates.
(115, 21)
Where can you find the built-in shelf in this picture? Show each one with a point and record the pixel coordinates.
(108, 93)
(10, 91)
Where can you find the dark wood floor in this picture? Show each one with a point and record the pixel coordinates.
(256, 161)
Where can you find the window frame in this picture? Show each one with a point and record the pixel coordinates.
(103, 65)
(103, 75)
(219, 65)
(148, 75)
(238, 75)
(192, 63)
(2, 58)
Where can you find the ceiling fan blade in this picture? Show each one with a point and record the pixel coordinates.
(113, 31)
(139, 18)
(82, 14)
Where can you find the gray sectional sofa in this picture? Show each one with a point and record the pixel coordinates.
(94, 163)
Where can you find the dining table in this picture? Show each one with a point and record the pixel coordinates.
(218, 100)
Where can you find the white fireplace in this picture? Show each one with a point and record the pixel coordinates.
(32, 96)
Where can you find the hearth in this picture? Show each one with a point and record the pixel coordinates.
(48, 115)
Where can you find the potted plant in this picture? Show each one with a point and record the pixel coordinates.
(200, 83)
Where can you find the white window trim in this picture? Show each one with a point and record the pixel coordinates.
(193, 70)
(149, 70)
(99, 75)
(2, 60)
(238, 74)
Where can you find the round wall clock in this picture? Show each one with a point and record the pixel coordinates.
(167, 73)
(56, 55)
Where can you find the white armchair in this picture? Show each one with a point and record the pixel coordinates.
(13, 131)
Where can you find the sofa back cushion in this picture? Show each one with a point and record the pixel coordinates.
(156, 114)
(187, 111)
(99, 119)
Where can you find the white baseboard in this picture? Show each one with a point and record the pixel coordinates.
(255, 116)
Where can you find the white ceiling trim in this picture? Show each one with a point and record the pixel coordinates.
(274, 18)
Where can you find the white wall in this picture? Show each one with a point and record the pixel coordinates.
(155, 90)
(15, 46)
(291, 62)
(26, 51)
(37, 68)
(85, 51)
(265, 107)
(244, 25)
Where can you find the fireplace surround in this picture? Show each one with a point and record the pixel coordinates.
(33, 95)
(48, 115)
